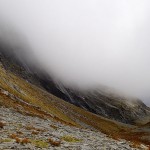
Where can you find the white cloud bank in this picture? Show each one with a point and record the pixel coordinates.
(88, 42)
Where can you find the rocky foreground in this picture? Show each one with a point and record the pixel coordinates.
(22, 132)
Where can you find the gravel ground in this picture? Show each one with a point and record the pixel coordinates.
(31, 133)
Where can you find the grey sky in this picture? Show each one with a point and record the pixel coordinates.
(88, 42)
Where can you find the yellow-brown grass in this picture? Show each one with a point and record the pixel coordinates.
(25, 141)
(35, 97)
(54, 143)
(13, 136)
(47, 106)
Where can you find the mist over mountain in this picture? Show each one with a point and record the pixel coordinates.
(100, 100)
(74, 74)
(84, 44)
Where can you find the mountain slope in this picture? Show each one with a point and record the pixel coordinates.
(31, 100)
(101, 101)
(108, 104)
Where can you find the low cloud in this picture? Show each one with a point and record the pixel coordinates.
(88, 42)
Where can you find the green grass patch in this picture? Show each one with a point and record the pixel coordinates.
(69, 138)
(40, 143)
(5, 140)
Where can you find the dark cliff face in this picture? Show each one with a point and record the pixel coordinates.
(97, 101)
(106, 104)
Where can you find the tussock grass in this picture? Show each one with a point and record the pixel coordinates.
(54, 142)
(40, 143)
(5, 140)
(69, 138)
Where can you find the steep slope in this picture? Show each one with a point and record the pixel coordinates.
(31, 100)
(28, 99)
(101, 101)
(106, 103)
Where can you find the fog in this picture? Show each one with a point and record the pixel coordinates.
(87, 42)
